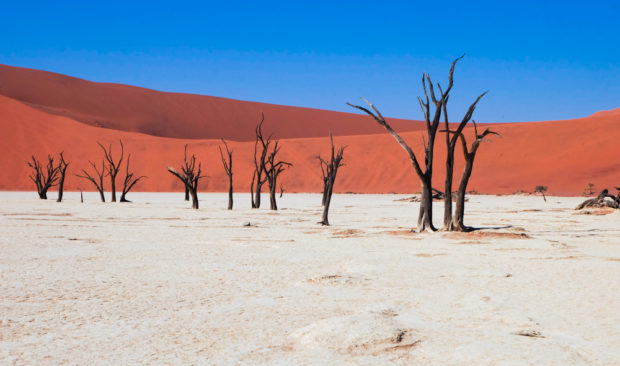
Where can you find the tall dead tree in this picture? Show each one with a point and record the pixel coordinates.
(452, 138)
(62, 170)
(190, 175)
(112, 166)
(330, 170)
(43, 178)
(227, 163)
(130, 180)
(425, 217)
(273, 168)
(470, 155)
(97, 178)
(260, 160)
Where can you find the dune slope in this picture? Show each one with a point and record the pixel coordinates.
(563, 155)
(134, 109)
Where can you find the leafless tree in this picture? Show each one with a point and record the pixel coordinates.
(190, 175)
(273, 169)
(62, 170)
(541, 190)
(112, 166)
(470, 155)
(44, 178)
(425, 217)
(97, 178)
(330, 170)
(227, 163)
(260, 160)
(130, 180)
(452, 138)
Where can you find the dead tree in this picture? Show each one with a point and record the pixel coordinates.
(425, 217)
(541, 190)
(600, 201)
(324, 177)
(190, 175)
(44, 178)
(130, 180)
(112, 166)
(470, 155)
(260, 160)
(281, 190)
(452, 138)
(97, 179)
(227, 163)
(62, 170)
(330, 171)
(273, 169)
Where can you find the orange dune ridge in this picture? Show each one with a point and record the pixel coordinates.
(178, 115)
(563, 155)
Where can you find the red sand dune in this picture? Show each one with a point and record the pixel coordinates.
(563, 155)
(190, 116)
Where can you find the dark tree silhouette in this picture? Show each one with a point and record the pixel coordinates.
(330, 170)
(97, 178)
(470, 155)
(541, 190)
(190, 175)
(227, 163)
(130, 180)
(260, 160)
(273, 169)
(112, 166)
(62, 170)
(425, 217)
(44, 178)
(451, 142)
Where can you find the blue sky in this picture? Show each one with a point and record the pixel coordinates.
(539, 60)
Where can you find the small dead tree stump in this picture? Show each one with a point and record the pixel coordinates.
(601, 201)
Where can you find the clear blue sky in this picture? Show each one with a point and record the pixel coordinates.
(539, 60)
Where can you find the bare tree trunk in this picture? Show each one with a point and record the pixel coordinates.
(252, 190)
(330, 171)
(186, 193)
(328, 199)
(227, 163)
(112, 166)
(447, 212)
(259, 187)
(273, 205)
(425, 218)
(470, 155)
(230, 192)
(62, 170)
(194, 198)
(457, 223)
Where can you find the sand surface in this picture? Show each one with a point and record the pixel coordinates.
(156, 282)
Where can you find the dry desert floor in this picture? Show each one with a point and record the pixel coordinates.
(156, 282)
